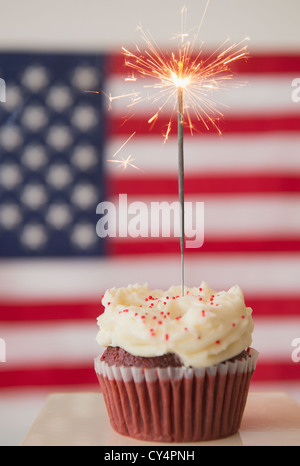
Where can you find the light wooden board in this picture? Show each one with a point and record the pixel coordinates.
(80, 419)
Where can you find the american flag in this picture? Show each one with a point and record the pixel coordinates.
(55, 140)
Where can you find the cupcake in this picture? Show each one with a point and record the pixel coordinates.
(175, 368)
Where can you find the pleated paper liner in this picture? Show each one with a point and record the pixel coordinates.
(177, 404)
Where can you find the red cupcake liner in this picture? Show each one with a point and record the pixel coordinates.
(177, 404)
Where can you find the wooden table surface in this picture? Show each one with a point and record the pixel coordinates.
(80, 419)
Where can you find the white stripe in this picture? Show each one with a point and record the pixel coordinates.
(271, 26)
(273, 336)
(74, 342)
(257, 274)
(254, 95)
(232, 216)
(49, 343)
(205, 153)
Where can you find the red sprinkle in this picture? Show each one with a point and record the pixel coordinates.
(159, 322)
(218, 342)
(233, 325)
(179, 317)
(203, 313)
(166, 336)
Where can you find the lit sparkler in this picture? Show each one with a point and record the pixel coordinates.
(186, 79)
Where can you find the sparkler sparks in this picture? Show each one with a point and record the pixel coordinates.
(198, 76)
(124, 163)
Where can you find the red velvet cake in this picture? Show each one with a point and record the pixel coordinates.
(175, 368)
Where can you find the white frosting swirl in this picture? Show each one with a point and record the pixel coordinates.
(203, 327)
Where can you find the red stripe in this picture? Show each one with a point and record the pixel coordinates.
(144, 246)
(274, 306)
(237, 124)
(41, 311)
(49, 376)
(208, 184)
(20, 312)
(267, 371)
(85, 375)
(255, 64)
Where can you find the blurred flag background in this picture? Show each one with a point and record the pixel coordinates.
(55, 140)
